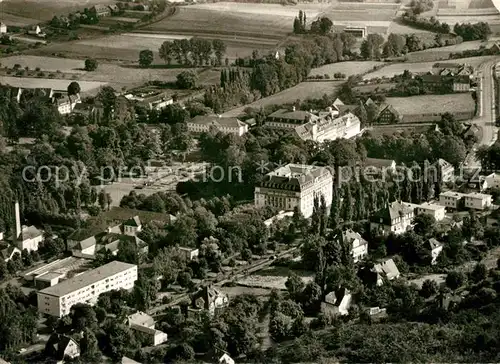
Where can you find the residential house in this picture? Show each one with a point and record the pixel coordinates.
(446, 82)
(3, 28)
(337, 303)
(132, 226)
(493, 180)
(369, 102)
(358, 245)
(226, 359)
(36, 31)
(226, 125)
(386, 269)
(434, 210)
(495, 48)
(394, 218)
(289, 118)
(295, 185)
(65, 105)
(388, 115)
(478, 201)
(210, 299)
(337, 102)
(62, 347)
(451, 200)
(189, 253)
(7, 251)
(445, 170)
(145, 324)
(101, 10)
(434, 248)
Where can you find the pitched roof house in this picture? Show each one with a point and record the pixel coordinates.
(62, 347)
(386, 269)
(209, 298)
(434, 248)
(337, 302)
(358, 245)
(395, 218)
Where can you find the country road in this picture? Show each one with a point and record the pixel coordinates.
(486, 115)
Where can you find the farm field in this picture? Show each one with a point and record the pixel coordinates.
(45, 63)
(35, 11)
(433, 54)
(87, 87)
(302, 91)
(348, 68)
(416, 67)
(432, 104)
(115, 75)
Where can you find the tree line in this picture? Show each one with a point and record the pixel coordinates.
(193, 52)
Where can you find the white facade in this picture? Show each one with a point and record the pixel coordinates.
(3, 28)
(293, 186)
(359, 246)
(478, 201)
(204, 123)
(437, 211)
(451, 199)
(346, 127)
(397, 218)
(86, 287)
(226, 359)
(66, 107)
(493, 180)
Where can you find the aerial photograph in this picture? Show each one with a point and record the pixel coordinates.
(249, 181)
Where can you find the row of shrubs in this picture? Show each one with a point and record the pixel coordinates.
(336, 76)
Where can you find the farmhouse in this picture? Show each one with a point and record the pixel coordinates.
(397, 218)
(330, 128)
(452, 69)
(388, 115)
(226, 125)
(114, 8)
(101, 10)
(295, 185)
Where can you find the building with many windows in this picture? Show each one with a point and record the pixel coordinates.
(478, 201)
(227, 125)
(86, 287)
(295, 185)
(330, 128)
(451, 200)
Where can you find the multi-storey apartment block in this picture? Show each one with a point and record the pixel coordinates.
(86, 288)
(295, 185)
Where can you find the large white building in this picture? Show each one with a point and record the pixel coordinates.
(435, 210)
(493, 180)
(295, 185)
(330, 128)
(478, 201)
(451, 199)
(226, 125)
(86, 287)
